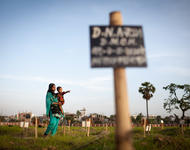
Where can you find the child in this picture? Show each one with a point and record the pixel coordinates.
(60, 97)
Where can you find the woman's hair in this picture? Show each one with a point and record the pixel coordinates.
(50, 88)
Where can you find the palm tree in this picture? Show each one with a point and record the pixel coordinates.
(147, 90)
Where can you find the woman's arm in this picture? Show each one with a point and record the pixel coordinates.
(55, 103)
(48, 103)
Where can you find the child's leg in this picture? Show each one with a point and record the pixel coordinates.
(60, 107)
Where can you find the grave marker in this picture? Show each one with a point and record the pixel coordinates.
(118, 47)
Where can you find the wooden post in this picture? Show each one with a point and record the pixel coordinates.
(123, 122)
(64, 130)
(69, 121)
(106, 127)
(88, 127)
(144, 126)
(45, 125)
(23, 129)
(36, 128)
(162, 126)
(182, 129)
(88, 132)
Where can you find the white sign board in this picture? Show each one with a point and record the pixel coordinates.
(22, 124)
(26, 124)
(148, 128)
(83, 124)
(87, 123)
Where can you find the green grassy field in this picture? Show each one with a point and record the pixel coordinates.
(16, 138)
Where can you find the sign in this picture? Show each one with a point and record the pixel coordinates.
(21, 124)
(87, 123)
(26, 124)
(117, 46)
(182, 122)
(148, 128)
(83, 124)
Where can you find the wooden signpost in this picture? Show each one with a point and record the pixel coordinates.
(24, 125)
(63, 126)
(118, 47)
(182, 122)
(69, 121)
(83, 123)
(64, 123)
(88, 126)
(36, 127)
(106, 127)
(144, 120)
(162, 124)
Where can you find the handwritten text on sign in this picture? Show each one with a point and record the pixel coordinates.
(117, 46)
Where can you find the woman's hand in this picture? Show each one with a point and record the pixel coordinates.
(60, 103)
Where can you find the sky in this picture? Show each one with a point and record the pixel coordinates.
(44, 41)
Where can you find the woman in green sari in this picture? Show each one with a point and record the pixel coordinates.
(51, 106)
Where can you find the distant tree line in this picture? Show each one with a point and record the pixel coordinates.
(179, 99)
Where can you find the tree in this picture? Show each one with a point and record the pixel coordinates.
(177, 120)
(78, 113)
(69, 118)
(168, 119)
(179, 98)
(158, 119)
(2, 118)
(112, 118)
(139, 118)
(147, 90)
(133, 119)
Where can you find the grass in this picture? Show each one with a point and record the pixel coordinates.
(170, 138)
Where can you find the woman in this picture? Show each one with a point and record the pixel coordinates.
(51, 112)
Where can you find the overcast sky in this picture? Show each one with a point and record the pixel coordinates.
(44, 41)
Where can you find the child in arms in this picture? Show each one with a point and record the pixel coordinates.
(60, 97)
